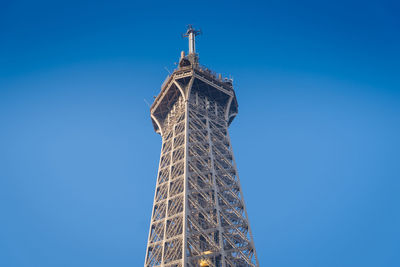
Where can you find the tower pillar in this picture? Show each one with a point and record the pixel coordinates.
(199, 216)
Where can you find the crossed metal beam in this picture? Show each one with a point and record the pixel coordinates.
(198, 213)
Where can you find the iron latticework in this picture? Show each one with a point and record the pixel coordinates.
(199, 216)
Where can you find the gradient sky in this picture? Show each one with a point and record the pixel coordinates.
(316, 139)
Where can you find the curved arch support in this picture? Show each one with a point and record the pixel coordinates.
(156, 123)
(189, 87)
(228, 107)
(165, 100)
(231, 117)
(180, 89)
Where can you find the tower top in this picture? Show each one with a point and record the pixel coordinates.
(191, 33)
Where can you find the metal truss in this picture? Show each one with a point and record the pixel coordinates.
(199, 216)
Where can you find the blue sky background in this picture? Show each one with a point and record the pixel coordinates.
(316, 139)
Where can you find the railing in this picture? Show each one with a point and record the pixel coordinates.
(206, 71)
(165, 81)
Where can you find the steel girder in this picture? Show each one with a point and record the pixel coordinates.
(199, 216)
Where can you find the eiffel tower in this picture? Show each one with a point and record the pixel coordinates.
(199, 216)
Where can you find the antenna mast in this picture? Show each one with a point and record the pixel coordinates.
(191, 33)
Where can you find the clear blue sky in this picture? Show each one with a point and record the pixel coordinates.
(316, 139)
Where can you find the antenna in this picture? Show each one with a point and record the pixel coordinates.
(167, 70)
(191, 33)
(145, 101)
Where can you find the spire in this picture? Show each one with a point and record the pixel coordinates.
(191, 33)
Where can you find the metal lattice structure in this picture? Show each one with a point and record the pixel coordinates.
(199, 216)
